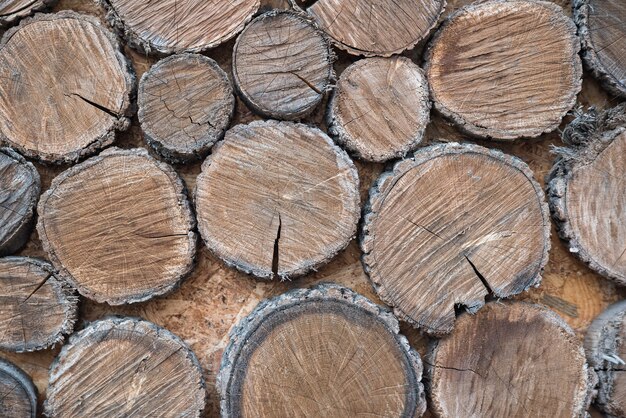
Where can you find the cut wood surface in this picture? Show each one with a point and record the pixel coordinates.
(169, 26)
(277, 199)
(20, 185)
(510, 360)
(37, 309)
(18, 396)
(365, 27)
(185, 103)
(450, 226)
(587, 194)
(64, 87)
(602, 28)
(282, 65)
(496, 78)
(119, 227)
(380, 108)
(123, 367)
(605, 344)
(13, 10)
(321, 352)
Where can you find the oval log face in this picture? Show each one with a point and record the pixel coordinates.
(13, 10)
(18, 395)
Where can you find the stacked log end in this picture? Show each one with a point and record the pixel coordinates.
(18, 395)
(11, 11)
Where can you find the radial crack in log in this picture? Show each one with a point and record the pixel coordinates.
(276, 254)
(18, 395)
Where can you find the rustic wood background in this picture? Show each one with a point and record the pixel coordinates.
(214, 297)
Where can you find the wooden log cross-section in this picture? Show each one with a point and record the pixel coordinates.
(125, 367)
(18, 395)
(450, 226)
(119, 227)
(505, 69)
(13, 10)
(320, 352)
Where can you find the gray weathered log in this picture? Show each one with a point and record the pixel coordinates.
(18, 395)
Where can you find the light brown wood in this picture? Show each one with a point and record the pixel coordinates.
(365, 27)
(380, 108)
(496, 78)
(64, 87)
(37, 309)
(321, 352)
(170, 26)
(12, 11)
(18, 396)
(125, 367)
(119, 227)
(450, 226)
(282, 65)
(587, 194)
(277, 199)
(510, 360)
(20, 185)
(185, 103)
(602, 28)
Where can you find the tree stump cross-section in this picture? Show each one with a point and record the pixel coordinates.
(18, 395)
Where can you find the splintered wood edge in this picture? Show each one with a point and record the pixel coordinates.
(239, 335)
(123, 118)
(588, 51)
(478, 132)
(23, 380)
(29, 9)
(22, 232)
(387, 181)
(183, 202)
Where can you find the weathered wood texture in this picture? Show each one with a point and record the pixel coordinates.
(119, 227)
(510, 360)
(20, 186)
(123, 367)
(380, 108)
(18, 395)
(185, 104)
(605, 344)
(277, 199)
(320, 352)
(602, 28)
(37, 309)
(282, 65)
(64, 87)
(496, 79)
(12, 11)
(451, 225)
(587, 194)
(167, 26)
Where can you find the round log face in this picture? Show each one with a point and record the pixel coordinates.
(510, 360)
(282, 65)
(450, 226)
(169, 26)
(13, 10)
(18, 396)
(496, 79)
(277, 199)
(374, 27)
(36, 308)
(64, 87)
(119, 227)
(138, 368)
(322, 352)
(185, 104)
(380, 108)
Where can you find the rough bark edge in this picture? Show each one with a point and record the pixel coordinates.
(170, 154)
(602, 340)
(489, 133)
(270, 113)
(590, 379)
(122, 322)
(590, 58)
(34, 6)
(240, 333)
(309, 265)
(181, 192)
(135, 41)
(366, 53)
(588, 135)
(23, 380)
(338, 132)
(122, 122)
(18, 237)
(387, 180)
